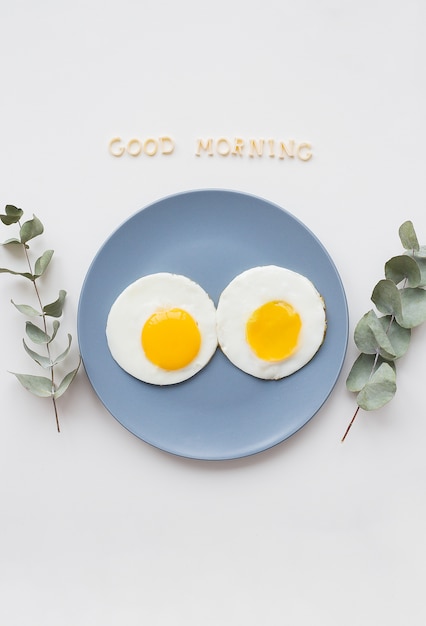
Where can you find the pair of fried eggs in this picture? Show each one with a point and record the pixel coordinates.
(164, 328)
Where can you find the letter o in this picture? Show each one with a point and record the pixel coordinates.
(137, 151)
(153, 150)
(220, 141)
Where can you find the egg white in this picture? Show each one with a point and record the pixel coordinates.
(137, 303)
(250, 290)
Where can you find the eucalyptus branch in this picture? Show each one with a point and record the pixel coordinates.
(382, 340)
(41, 386)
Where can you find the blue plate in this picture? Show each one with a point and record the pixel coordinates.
(210, 236)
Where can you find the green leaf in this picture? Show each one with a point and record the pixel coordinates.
(44, 361)
(55, 308)
(420, 253)
(362, 370)
(26, 309)
(408, 236)
(38, 385)
(64, 354)
(30, 229)
(4, 270)
(421, 264)
(386, 296)
(12, 215)
(398, 336)
(42, 263)
(66, 382)
(370, 335)
(11, 241)
(56, 325)
(36, 334)
(413, 312)
(363, 335)
(379, 390)
(403, 267)
(380, 332)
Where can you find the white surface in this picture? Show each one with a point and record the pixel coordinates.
(98, 528)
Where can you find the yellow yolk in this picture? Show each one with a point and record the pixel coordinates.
(171, 339)
(272, 331)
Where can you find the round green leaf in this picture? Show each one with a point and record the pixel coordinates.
(371, 336)
(387, 298)
(421, 264)
(364, 337)
(379, 390)
(362, 370)
(413, 307)
(398, 337)
(408, 236)
(403, 267)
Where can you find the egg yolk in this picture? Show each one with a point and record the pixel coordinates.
(171, 339)
(272, 331)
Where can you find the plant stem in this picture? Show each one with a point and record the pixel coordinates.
(52, 375)
(371, 374)
(350, 424)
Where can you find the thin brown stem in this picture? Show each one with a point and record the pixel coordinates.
(350, 424)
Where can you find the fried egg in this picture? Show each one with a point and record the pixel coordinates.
(270, 321)
(162, 328)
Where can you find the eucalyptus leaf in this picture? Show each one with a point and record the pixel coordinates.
(420, 253)
(36, 334)
(413, 311)
(398, 336)
(386, 296)
(403, 267)
(67, 380)
(4, 270)
(362, 371)
(30, 229)
(12, 215)
(11, 241)
(55, 308)
(370, 335)
(42, 263)
(364, 337)
(44, 361)
(38, 385)
(64, 354)
(379, 390)
(55, 326)
(380, 332)
(408, 236)
(401, 298)
(421, 264)
(27, 310)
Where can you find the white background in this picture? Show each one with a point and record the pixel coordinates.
(99, 528)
